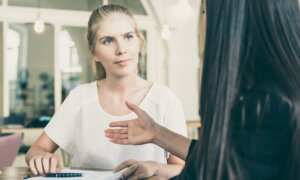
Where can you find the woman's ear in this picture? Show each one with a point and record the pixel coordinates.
(94, 57)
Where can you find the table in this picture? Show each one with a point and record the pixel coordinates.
(18, 173)
(14, 173)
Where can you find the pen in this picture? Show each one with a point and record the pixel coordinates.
(26, 177)
(63, 175)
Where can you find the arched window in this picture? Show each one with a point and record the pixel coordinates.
(69, 63)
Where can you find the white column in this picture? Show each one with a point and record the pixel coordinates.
(4, 92)
(57, 73)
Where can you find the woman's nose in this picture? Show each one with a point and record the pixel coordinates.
(121, 48)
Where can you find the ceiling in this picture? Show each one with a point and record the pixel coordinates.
(135, 6)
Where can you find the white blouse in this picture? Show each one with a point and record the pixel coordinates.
(78, 127)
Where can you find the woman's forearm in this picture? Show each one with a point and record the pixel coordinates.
(168, 170)
(172, 142)
(42, 146)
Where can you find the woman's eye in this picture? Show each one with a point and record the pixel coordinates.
(107, 41)
(128, 36)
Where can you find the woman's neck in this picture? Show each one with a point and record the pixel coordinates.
(121, 85)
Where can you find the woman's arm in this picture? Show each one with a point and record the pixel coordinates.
(172, 142)
(145, 169)
(40, 157)
(173, 168)
(144, 130)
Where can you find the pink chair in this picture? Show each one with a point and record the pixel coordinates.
(10, 144)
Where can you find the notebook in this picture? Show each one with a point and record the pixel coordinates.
(86, 175)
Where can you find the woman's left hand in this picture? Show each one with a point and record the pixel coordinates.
(137, 169)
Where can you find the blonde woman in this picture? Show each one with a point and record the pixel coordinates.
(116, 47)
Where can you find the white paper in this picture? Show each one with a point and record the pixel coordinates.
(87, 175)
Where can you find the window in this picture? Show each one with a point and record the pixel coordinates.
(13, 46)
(69, 63)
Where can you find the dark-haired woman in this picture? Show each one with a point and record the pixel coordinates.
(250, 97)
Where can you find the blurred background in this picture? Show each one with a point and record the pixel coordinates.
(44, 54)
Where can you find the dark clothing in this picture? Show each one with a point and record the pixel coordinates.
(188, 175)
(260, 135)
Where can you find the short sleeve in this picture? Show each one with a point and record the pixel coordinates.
(174, 118)
(61, 128)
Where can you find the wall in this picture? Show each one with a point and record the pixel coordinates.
(183, 60)
(179, 71)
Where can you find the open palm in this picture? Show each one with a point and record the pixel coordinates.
(136, 131)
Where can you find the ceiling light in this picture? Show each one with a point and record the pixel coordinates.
(39, 26)
(165, 33)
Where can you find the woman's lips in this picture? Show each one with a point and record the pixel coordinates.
(123, 62)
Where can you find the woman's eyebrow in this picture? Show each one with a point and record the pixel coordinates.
(108, 36)
(105, 37)
(129, 32)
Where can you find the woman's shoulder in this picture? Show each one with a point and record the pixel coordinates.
(84, 92)
(84, 88)
(161, 96)
(160, 92)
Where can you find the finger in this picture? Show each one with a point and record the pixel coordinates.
(58, 167)
(119, 124)
(116, 136)
(32, 166)
(138, 176)
(39, 165)
(120, 141)
(117, 131)
(53, 164)
(109, 135)
(140, 173)
(46, 162)
(130, 172)
(134, 108)
(124, 165)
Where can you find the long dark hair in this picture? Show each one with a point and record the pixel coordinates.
(248, 42)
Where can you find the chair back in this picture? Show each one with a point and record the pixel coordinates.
(10, 144)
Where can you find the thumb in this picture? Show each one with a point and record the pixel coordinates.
(134, 108)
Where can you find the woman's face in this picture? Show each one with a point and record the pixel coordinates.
(117, 46)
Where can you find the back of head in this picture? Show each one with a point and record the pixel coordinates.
(274, 58)
(247, 42)
(276, 31)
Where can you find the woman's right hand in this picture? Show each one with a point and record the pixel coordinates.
(137, 131)
(47, 163)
